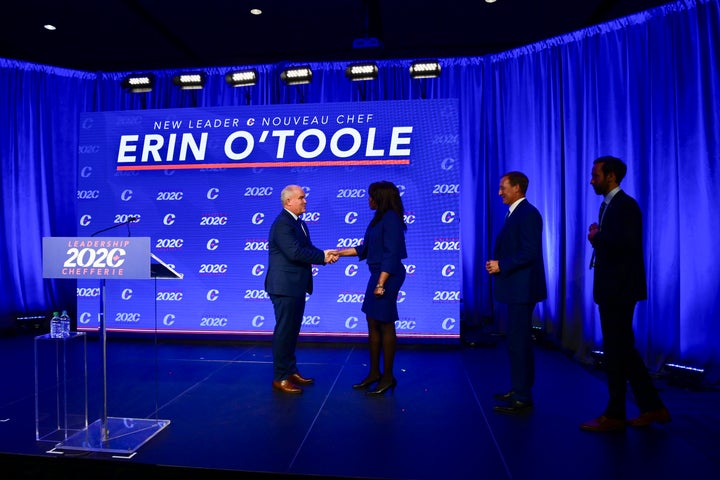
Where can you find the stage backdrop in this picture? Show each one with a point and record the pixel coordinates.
(204, 184)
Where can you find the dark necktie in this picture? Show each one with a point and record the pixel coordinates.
(302, 227)
(603, 205)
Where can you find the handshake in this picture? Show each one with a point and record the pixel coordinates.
(331, 256)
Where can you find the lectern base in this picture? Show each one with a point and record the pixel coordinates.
(118, 435)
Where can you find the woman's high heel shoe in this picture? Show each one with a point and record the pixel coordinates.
(365, 383)
(381, 389)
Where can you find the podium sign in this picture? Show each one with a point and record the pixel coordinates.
(96, 257)
(107, 258)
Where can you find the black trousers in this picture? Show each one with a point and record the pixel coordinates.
(520, 349)
(623, 363)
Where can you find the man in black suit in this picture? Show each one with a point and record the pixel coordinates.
(288, 279)
(518, 270)
(619, 282)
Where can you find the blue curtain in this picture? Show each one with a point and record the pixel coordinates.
(645, 88)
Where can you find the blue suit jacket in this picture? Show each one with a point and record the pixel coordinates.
(291, 255)
(384, 245)
(619, 272)
(518, 249)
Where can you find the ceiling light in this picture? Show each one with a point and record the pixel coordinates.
(425, 69)
(256, 11)
(296, 75)
(139, 83)
(362, 71)
(49, 27)
(189, 81)
(242, 78)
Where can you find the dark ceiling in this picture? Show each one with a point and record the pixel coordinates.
(136, 35)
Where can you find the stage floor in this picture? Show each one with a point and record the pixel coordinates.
(227, 422)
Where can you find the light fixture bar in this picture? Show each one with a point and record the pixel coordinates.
(425, 69)
(684, 368)
(139, 83)
(362, 71)
(296, 75)
(242, 78)
(684, 375)
(190, 81)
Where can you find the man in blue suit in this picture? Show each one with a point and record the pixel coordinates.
(518, 270)
(619, 283)
(288, 279)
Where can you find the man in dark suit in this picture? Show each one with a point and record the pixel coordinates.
(288, 279)
(619, 282)
(518, 270)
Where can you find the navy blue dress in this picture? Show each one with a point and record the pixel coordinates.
(384, 248)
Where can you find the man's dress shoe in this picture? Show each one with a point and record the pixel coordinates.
(504, 397)
(654, 416)
(298, 379)
(603, 424)
(513, 407)
(286, 386)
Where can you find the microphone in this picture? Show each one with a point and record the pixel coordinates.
(130, 220)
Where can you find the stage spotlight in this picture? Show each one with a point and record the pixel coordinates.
(296, 75)
(684, 375)
(362, 71)
(425, 69)
(139, 83)
(190, 81)
(242, 78)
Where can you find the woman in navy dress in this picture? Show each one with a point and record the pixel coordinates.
(383, 248)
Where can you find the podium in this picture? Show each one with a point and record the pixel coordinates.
(60, 386)
(107, 258)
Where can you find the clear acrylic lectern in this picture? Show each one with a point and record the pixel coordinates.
(131, 259)
(60, 386)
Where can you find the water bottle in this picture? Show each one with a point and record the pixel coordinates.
(65, 324)
(55, 327)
